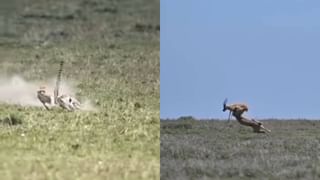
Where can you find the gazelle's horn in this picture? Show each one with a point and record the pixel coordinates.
(225, 105)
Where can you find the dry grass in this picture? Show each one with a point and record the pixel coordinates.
(111, 54)
(212, 149)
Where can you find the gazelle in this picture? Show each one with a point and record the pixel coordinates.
(237, 110)
(65, 101)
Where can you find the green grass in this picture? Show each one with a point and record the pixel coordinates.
(212, 149)
(111, 53)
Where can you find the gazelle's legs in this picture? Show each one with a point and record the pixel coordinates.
(44, 104)
(255, 125)
(229, 116)
(262, 127)
(237, 110)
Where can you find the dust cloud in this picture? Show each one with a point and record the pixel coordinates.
(16, 90)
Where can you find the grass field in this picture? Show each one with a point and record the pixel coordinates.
(212, 149)
(111, 54)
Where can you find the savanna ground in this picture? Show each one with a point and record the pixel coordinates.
(111, 53)
(214, 149)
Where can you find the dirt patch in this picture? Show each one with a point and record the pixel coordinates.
(18, 91)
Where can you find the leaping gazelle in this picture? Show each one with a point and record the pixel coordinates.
(237, 110)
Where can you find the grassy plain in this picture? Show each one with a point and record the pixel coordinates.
(111, 52)
(213, 149)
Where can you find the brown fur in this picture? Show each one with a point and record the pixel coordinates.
(237, 111)
(255, 125)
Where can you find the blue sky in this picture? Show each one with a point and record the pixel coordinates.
(264, 53)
